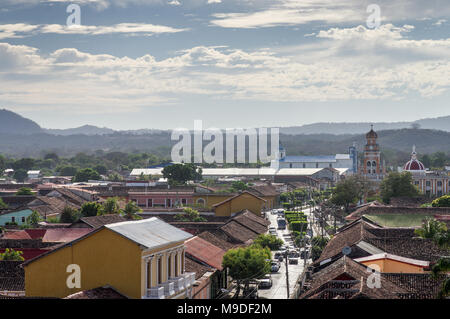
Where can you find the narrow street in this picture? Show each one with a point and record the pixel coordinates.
(279, 289)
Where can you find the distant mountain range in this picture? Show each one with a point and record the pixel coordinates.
(440, 123)
(21, 137)
(13, 123)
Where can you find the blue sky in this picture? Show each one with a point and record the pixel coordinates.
(239, 63)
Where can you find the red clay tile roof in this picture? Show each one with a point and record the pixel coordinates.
(36, 233)
(238, 232)
(64, 235)
(11, 276)
(194, 266)
(216, 240)
(99, 221)
(205, 252)
(97, 293)
(348, 279)
(16, 234)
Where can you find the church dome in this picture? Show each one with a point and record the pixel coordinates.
(414, 164)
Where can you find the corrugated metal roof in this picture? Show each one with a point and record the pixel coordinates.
(150, 233)
(241, 171)
(309, 159)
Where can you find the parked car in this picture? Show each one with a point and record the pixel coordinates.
(293, 254)
(275, 266)
(293, 261)
(272, 229)
(265, 283)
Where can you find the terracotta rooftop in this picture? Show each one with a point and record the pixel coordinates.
(11, 276)
(238, 232)
(98, 221)
(97, 293)
(348, 279)
(216, 240)
(205, 252)
(64, 235)
(200, 269)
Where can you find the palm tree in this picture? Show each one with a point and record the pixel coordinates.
(131, 210)
(431, 228)
(438, 231)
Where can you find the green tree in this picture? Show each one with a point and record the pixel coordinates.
(3, 205)
(11, 255)
(34, 218)
(318, 244)
(20, 175)
(68, 170)
(246, 264)
(182, 173)
(131, 210)
(443, 201)
(267, 240)
(115, 177)
(239, 186)
(431, 228)
(345, 193)
(101, 169)
(190, 214)
(86, 174)
(24, 191)
(111, 206)
(398, 185)
(24, 163)
(90, 209)
(69, 215)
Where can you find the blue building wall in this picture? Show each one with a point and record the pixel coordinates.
(7, 218)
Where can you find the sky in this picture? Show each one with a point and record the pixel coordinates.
(133, 64)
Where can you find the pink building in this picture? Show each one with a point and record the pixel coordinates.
(162, 198)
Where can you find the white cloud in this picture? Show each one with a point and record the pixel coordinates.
(20, 30)
(342, 64)
(294, 12)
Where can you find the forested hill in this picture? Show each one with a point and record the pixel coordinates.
(13, 123)
(398, 142)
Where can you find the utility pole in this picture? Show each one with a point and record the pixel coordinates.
(287, 273)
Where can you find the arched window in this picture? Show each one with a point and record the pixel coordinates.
(369, 164)
(374, 164)
(201, 202)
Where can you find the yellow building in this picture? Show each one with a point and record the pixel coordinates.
(140, 259)
(388, 263)
(209, 199)
(238, 203)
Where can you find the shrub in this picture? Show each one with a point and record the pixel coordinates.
(299, 225)
(443, 201)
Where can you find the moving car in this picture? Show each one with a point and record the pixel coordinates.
(265, 283)
(293, 261)
(275, 266)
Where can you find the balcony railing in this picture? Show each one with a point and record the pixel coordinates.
(189, 279)
(156, 293)
(178, 282)
(169, 288)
